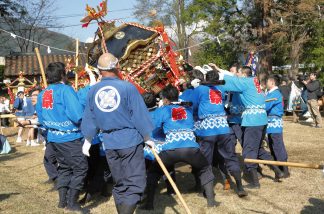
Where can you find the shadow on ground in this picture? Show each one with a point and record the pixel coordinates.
(13, 155)
(7, 195)
(317, 206)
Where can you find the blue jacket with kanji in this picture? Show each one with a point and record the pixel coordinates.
(252, 97)
(208, 101)
(177, 124)
(59, 111)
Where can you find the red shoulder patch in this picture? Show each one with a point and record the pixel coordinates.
(215, 96)
(47, 99)
(178, 114)
(257, 85)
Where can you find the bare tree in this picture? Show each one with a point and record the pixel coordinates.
(31, 22)
(174, 14)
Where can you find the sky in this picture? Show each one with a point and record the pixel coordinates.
(77, 7)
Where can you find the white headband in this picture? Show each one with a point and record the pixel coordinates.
(111, 65)
(203, 71)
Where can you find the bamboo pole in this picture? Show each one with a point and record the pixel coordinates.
(174, 186)
(280, 163)
(76, 63)
(41, 67)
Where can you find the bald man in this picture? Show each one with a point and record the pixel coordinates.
(117, 110)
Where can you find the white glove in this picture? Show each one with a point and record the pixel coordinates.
(86, 147)
(160, 103)
(195, 83)
(150, 143)
(203, 71)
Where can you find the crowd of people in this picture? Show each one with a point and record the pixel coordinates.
(105, 133)
(302, 95)
(25, 112)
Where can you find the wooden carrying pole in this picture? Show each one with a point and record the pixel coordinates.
(76, 63)
(280, 163)
(174, 186)
(41, 67)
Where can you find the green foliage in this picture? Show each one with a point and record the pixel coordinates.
(314, 49)
(282, 32)
(222, 17)
(222, 55)
(10, 8)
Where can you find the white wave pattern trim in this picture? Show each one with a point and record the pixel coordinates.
(254, 109)
(179, 136)
(58, 124)
(158, 149)
(237, 109)
(213, 122)
(56, 132)
(275, 123)
(197, 125)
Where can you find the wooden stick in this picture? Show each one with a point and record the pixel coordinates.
(76, 63)
(7, 116)
(174, 186)
(41, 67)
(280, 163)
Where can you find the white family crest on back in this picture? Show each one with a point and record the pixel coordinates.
(107, 99)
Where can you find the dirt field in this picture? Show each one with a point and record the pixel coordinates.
(22, 189)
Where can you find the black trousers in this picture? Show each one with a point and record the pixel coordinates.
(191, 156)
(224, 147)
(50, 162)
(252, 140)
(73, 164)
(277, 146)
(219, 162)
(128, 171)
(236, 133)
(98, 173)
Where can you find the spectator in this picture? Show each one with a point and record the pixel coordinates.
(24, 109)
(19, 103)
(31, 118)
(285, 91)
(313, 87)
(4, 109)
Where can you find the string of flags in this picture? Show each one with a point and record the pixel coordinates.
(49, 48)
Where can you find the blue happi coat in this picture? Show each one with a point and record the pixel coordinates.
(27, 109)
(212, 120)
(236, 109)
(187, 96)
(59, 111)
(82, 95)
(116, 108)
(177, 124)
(158, 137)
(252, 98)
(275, 111)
